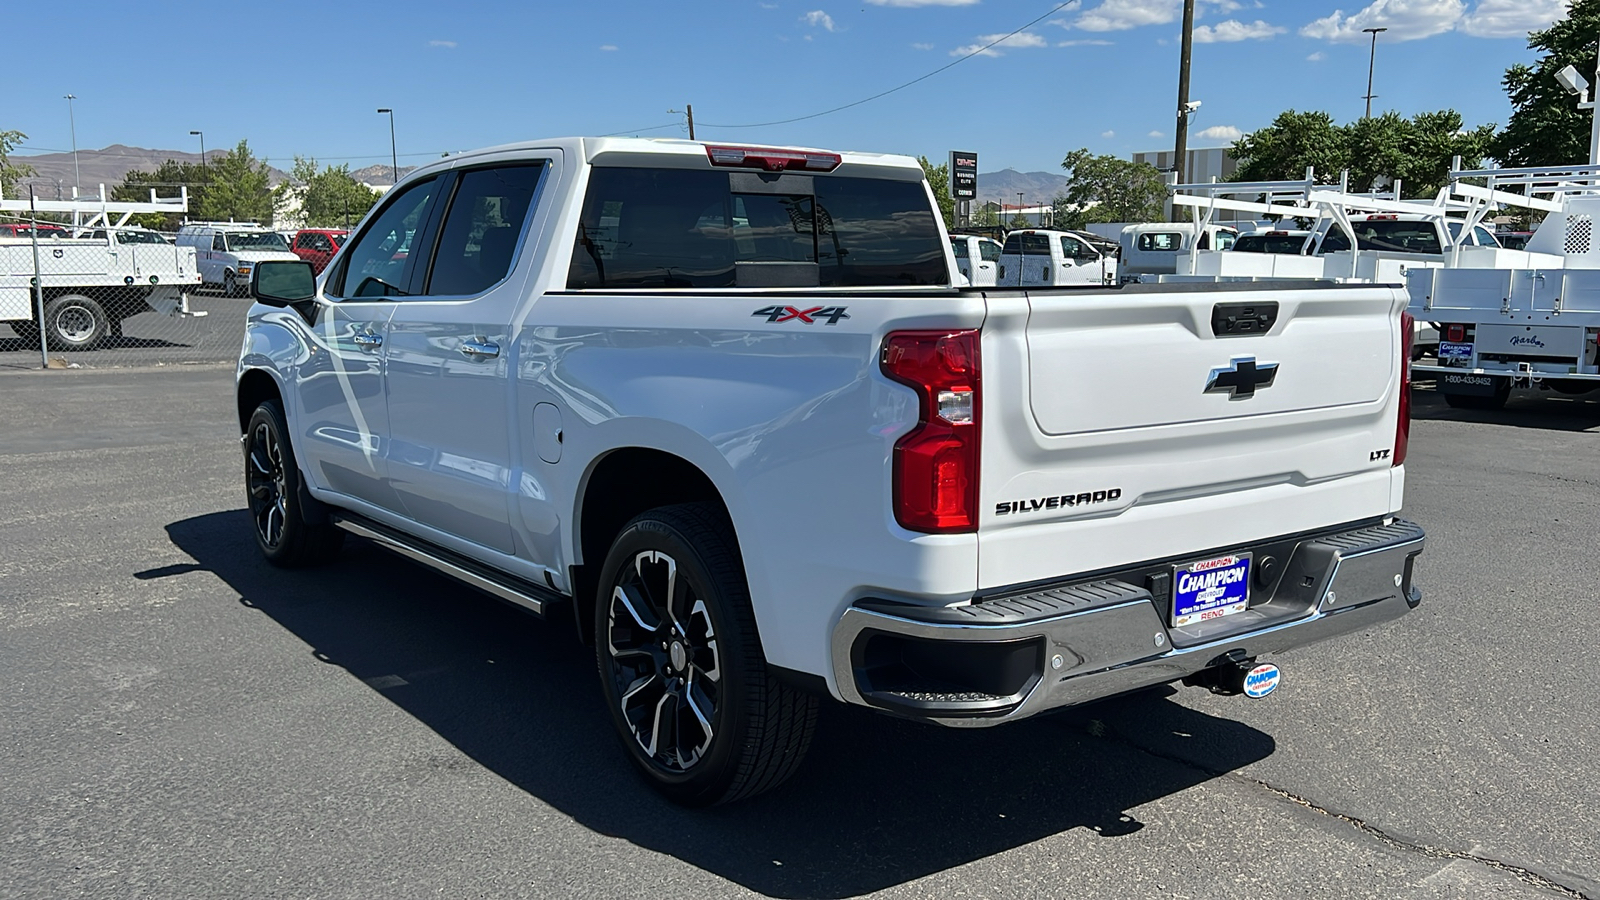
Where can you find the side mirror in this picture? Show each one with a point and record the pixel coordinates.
(283, 283)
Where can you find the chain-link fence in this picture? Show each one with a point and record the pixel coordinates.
(101, 296)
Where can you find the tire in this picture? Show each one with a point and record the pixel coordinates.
(685, 678)
(272, 492)
(229, 287)
(75, 322)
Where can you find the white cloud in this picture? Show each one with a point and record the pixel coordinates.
(1088, 42)
(1234, 30)
(608, 47)
(1318, 56)
(767, 5)
(1020, 40)
(448, 45)
(1407, 20)
(1108, 134)
(1221, 133)
(922, 46)
(818, 19)
(909, 3)
(1121, 15)
(1512, 18)
(1155, 134)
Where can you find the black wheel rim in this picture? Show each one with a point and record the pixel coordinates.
(264, 479)
(665, 668)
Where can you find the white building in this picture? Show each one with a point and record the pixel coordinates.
(1203, 164)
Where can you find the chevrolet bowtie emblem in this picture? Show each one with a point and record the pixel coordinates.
(1240, 378)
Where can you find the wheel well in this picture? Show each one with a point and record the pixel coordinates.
(624, 484)
(254, 387)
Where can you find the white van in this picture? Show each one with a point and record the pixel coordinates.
(1038, 258)
(1153, 248)
(228, 251)
(976, 258)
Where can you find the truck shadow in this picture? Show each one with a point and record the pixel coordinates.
(878, 802)
(1546, 410)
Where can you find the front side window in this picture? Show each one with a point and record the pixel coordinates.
(1225, 239)
(481, 228)
(679, 228)
(218, 244)
(1070, 248)
(375, 266)
(989, 251)
(1160, 241)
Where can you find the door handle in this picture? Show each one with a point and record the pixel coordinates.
(473, 348)
(367, 340)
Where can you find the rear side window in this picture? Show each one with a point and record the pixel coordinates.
(481, 228)
(1160, 241)
(1027, 244)
(681, 228)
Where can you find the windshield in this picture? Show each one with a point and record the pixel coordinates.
(1387, 234)
(256, 240)
(1269, 243)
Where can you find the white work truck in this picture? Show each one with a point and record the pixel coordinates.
(1039, 258)
(1519, 318)
(729, 405)
(977, 258)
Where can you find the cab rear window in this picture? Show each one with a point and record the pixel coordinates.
(1387, 234)
(1027, 244)
(683, 228)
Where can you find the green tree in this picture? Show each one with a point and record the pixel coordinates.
(985, 216)
(328, 198)
(939, 180)
(1546, 127)
(1283, 150)
(10, 172)
(237, 187)
(1417, 151)
(1110, 189)
(167, 181)
(1019, 221)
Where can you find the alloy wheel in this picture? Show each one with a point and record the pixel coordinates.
(267, 485)
(664, 662)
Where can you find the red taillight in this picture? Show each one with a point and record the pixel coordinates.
(769, 160)
(936, 464)
(1455, 334)
(1402, 426)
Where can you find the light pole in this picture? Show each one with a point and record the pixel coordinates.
(202, 136)
(1019, 206)
(1371, 60)
(77, 180)
(394, 157)
(1578, 86)
(1180, 149)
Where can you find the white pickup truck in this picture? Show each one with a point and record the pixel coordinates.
(1039, 258)
(728, 404)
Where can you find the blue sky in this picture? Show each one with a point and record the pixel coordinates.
(306, 79)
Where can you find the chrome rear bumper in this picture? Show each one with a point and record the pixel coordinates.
(1008, 658)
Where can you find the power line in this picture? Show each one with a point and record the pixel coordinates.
(956, 62)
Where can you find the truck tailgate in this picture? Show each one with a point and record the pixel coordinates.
(1124, 426)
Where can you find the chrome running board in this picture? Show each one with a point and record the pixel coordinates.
(531, 597)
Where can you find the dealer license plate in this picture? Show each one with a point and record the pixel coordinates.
(1451, 350)
(1210, 589)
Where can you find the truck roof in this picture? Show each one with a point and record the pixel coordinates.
(675, 153)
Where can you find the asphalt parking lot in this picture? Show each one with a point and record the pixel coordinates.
(178, 719)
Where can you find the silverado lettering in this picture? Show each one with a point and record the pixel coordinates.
(1065, 500)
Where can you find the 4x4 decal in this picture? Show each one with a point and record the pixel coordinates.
(809, 316)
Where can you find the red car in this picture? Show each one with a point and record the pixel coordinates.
(318, 245)
(10, 229)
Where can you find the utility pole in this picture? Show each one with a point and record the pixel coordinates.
(394, 156)
(1180, 150)
(77, 180)
(689, 112)
(1371, 61)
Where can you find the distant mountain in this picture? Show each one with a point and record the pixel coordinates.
(54, 171)
(1037, 188)
(379, 175)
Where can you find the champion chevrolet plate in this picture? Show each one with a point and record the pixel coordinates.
(1210, 589)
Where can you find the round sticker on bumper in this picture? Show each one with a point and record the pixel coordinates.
(1261, 681)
